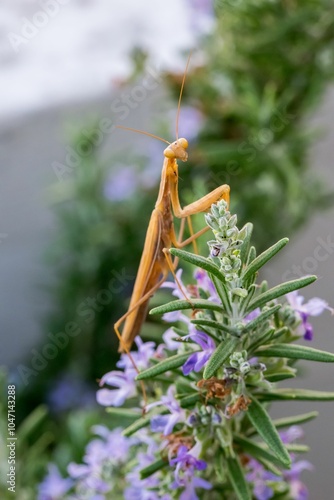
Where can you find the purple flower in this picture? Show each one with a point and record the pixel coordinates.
(187, 462)
(88, 477)
(262, 491)
(175, 287)
(170, 342)
(121, 183)
(252, 315)
(174, 316)
(54, 486)
(116, 397)
(190, 123)
(141, 357)
(141, 489)
(206, 284)
(298, 490)
(197, 360)
(77, 471)
(69, 392)
(125, 381)
(144, 491)
(291, 434)
(113, 446)
(263, 480)
(165, 423)
(259, 476)
(170, 335)
(110, 448)
(313, 307)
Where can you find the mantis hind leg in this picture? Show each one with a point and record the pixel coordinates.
(125, 345)
(178, 243)
(172, 266)
(191, 231)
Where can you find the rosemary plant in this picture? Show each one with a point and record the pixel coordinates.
(204, 430)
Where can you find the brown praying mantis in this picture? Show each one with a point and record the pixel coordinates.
(156, 261)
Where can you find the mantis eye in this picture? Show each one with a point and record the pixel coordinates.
(169, 153)
(183, 142)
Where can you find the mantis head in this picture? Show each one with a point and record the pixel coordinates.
(177, 150)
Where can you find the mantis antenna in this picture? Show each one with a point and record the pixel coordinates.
(143, 132)
(180, 97)
(177, 114)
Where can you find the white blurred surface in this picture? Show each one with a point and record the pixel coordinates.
(77, 51)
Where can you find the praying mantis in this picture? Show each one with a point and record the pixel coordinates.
(156, 261)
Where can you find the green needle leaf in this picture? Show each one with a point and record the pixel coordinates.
(32, 422)
(289, 421)
(292, 351)
(278, 291)
(185, 402)
(178, 305)
(237, 478)
(262, 339)
(190, 401)
(296, 394)
(216, 325)
(123, 413)
(220, 355)
(142, 422)
(260, 318)
(222, 292)
(281, 375)
(251, 254)
(152, 468)
(295, 420)
(259, 261)
(198, 261)
(257, 451)
(266, 429)
(245, 234)
(164, 366)
(297, 448)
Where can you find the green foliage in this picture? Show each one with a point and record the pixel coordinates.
(220, 356)
(238, 479)
(234, 386)
(266, 66)
(171, 363)
(261, 421)
(206, 408)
